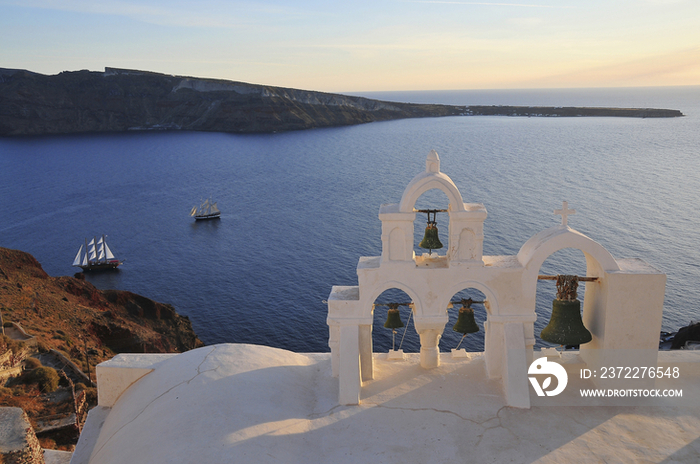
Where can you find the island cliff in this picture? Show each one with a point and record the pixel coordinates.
(119, 100)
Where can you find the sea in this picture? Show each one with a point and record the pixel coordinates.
(300, 208)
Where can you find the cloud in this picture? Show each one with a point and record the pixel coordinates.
(180, 14)
(679, 67)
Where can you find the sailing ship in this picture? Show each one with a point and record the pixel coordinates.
(97, 256)
(207, 210)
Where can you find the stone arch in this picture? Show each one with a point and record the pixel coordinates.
(428, 181)
(491, 307)
(542, 245)
(432, 179)
(388, 286)
(438, 322)
(536, 250)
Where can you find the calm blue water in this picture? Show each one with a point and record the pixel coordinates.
(300, 208)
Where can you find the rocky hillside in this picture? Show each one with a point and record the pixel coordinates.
(74, 327)
(120, 100)
(70, 314)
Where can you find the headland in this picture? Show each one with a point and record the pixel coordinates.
(119, 100)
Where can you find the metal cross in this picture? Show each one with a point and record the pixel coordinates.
(564, 212)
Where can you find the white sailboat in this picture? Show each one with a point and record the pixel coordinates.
(97, 256)
(207, 210)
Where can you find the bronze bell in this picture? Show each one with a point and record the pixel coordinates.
(566, 326)
(431, 240)
(393, 319)
(466, 323)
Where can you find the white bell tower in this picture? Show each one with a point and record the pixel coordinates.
(622, 308)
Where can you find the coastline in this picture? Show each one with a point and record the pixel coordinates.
(572, 111)
(120, 100)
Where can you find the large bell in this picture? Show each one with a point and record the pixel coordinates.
(566, 326)
(393, 319)
(466, 323)
(431, 241)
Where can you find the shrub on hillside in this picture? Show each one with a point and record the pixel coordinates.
(31, 363)
(45, 377)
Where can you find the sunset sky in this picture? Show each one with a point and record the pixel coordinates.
(365, 45)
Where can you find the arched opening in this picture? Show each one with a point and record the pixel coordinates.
(431, 200)
(570, 261)
(473, 342)
(406, 337)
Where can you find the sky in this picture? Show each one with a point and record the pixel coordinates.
(365, 45)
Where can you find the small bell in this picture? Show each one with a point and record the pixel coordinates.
(566, 326)
(393, 319)
(393, 322)
(466, 323)
(431, 240)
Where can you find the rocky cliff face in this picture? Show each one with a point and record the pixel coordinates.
(86, 326)
(120, 100)
(70, 314)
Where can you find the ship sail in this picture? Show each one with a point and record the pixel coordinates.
(76, 261)
(108, 252)
(92, 254)
(101, 245)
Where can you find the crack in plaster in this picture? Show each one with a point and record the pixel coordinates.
(498, 416)
(96, 453)
(500, 425)
(443, 411)
(478, 423)
(331, 411)
(199, 372)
